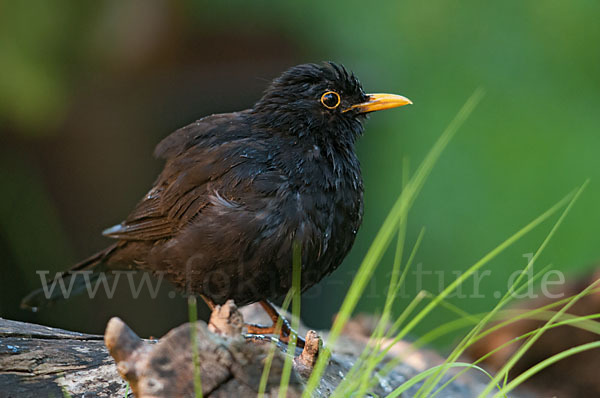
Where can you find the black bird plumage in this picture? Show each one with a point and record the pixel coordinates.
(238, 189)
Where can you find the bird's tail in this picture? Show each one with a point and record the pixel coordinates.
(68, 283)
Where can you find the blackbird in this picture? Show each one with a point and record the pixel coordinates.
(239, 190)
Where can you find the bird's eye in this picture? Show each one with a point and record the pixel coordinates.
(330, 99)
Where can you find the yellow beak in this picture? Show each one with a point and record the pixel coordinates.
(379, 102)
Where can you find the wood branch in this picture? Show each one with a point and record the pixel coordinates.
(41, 361)
(227, 366)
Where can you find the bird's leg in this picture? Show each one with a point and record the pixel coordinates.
(209, 302)
(284, 332)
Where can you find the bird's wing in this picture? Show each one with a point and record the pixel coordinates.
(202, 159)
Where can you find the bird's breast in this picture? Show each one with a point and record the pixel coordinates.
(328, 197)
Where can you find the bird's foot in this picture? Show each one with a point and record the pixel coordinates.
(226, 320)
(284, 331)
(311, 346)
(307, 360)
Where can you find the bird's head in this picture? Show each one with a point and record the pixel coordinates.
(323, 101)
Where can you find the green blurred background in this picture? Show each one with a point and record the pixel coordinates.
(88, 88)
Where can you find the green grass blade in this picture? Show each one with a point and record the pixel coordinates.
(582, 322)
(463, 321)
(427, 373)
(400, 320)
(369, 354)
(514, 358)
(515, 315)
(193, 317)
(291, 349)
(469, 339)
(483, 261)
(508, 296)
(264, 378)
(393, 288)
(547, 362)
(569, 201)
